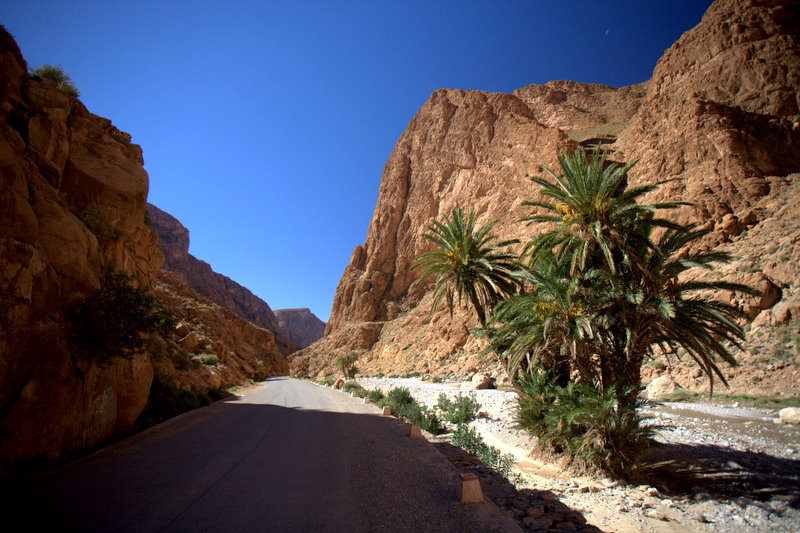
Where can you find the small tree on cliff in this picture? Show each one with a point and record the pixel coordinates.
(347, 364)
(468, 263)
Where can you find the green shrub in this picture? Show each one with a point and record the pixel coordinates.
(403, 405)
(347, 364)
(463, 409)
(118, 319)
(329, 381)
(97, 222)
(375, 396)
(469, 440)
(167, 399)
(208, 359)
(56, 73)
(352, 386)
(583, 423)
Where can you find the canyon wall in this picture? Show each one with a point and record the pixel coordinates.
(719, 122)
(301, 325)
(72, 200)
(72, 205)
(173, 241)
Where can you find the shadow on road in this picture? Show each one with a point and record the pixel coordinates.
(705, 471)
(240, 465)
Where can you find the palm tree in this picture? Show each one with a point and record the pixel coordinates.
(661, 306)
(468, 263)
(641, 297)
(547, 325)
(593, 211)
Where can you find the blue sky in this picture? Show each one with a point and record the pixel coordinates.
(266, 125)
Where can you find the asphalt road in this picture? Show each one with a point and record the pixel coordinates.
(285, 456)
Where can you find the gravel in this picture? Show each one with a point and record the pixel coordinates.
(721, 468)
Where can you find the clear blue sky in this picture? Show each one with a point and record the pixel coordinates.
(266, 125)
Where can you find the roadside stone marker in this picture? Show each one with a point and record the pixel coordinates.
(415, 432)
(387, 411)
(470, 488)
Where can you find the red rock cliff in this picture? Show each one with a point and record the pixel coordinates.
(72, 200)
(719, 119)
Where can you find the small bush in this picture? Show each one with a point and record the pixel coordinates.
(56, 73)
(118, 319)
(375, 396)
(469, 440)
(403, 405)
(97, 222)
(583, 423)
(208, 359)
(352, 386)
(462, 410)
(347, 364)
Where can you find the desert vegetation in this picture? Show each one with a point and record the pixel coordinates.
(609, 284)
(57, 74)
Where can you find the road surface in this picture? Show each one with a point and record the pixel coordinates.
(285, 456)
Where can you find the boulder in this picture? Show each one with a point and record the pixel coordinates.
(789, 415)
(479, 381)
(190, 341)
(660, 387)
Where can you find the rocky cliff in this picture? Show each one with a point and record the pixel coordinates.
(719, 119)
(173, 241)
(301, 325)
(72, 203)
(72, 200)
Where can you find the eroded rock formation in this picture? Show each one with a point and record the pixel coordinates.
(173, 241)
(72, 200)
(719, 120)
(301, 325)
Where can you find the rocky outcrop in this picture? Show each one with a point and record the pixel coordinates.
(226, 350)
(72, 200)
(721, 113)
(300, 325)
(173, 241)
(718, 122)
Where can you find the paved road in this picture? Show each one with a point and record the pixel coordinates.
(286, 456)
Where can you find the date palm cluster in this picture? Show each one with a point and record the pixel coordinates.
(601, 289)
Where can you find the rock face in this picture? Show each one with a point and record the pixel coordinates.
(173, 241)
(301, 325)
(225, 349)
(72, 200)
(719, 119)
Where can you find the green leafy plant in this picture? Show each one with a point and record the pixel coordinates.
(467, 263)
(97, 221)
(208, 359)
(460, 410)
(403, 405)
(352, 386)
(375, 396)
(57, 74)
(347, 364)
(469, 440)
(583, 423)
(118, 319)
